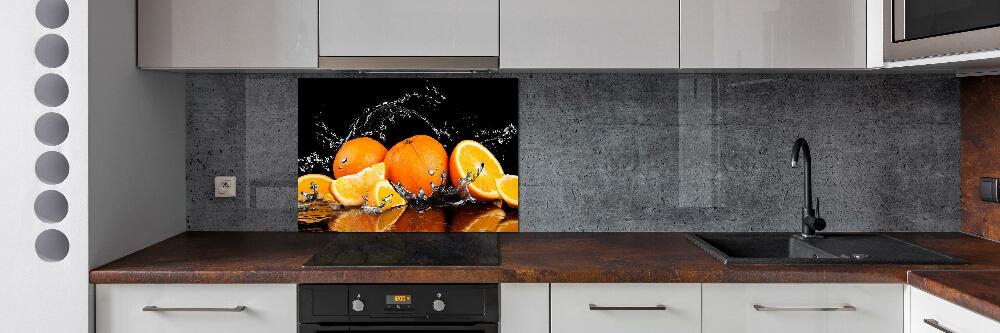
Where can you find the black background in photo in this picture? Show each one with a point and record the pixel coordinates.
(460, 108)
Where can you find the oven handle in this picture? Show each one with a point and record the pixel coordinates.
(485, 328)
(315, 328)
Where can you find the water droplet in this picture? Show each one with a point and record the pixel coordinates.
(344, 160)
(430, 171)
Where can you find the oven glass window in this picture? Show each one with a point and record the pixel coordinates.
(929, 18)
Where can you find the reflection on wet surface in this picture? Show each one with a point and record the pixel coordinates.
(480, 217)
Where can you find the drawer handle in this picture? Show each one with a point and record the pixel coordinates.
(595, 307)
(935, 324)
(759, 307)
(154, 308)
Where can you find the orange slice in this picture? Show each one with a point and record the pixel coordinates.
(388, 217)
(354, 220)
(508, 225)
(321, 182)
(477, 218)
(351, 190)
(431, 220)
(470, 160)
(383, 196)
(507, 188)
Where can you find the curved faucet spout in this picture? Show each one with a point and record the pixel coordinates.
(807, 188)
(810, 222)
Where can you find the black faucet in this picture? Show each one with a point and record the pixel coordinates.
(810, 221)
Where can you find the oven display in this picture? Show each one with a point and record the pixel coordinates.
(398, 299)
(398, 302)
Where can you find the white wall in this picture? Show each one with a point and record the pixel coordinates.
(38, 295)
(137, 185)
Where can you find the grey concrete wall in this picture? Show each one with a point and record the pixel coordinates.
(639, 152)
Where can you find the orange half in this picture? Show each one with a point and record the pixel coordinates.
(470, 160)
(507, 188)
(351, 190)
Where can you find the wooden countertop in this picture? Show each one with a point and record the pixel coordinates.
(277, 257)
(974, 290)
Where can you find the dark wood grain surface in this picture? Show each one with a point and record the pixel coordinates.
(978, 291)
(980, 144)
(266, 257)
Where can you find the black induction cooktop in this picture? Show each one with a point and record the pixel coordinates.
(408, 249)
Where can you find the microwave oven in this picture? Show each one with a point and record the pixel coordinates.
(915, 29)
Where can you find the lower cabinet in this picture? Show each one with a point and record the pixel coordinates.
(625, 307)
(930, 314)
(802, 308)
(195, 308)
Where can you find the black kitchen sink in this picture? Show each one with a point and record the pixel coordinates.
(832, 248)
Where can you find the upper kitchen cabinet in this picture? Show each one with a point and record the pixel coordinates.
(192, 34)
(409, 34)
(589, 34)
(780, 34)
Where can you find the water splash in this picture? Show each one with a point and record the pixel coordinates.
(375, 121)
(494, 139)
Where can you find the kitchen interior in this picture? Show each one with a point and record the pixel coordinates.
(354, 166)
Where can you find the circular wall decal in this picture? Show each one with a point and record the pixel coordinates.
(52, 167)
(52, 13)
(51, 206)
(51, 51)
(51, 128)
(51, 90)
(52, 245)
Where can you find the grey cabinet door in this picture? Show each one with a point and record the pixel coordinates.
(223, 34)
(586, 34)
(774, 34)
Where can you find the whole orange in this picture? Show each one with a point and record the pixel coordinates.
(417, 163)
(357, 154)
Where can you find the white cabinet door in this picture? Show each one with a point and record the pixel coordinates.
(626, 307)
(408, 28)
(589, 34)
(927, 310)
(270, 308)
(773, 34)
(227, 33)
(777, 308)
(524, 308)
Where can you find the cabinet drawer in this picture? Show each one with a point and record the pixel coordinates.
(269, 308)
(802, 308)
(622, 307)
(947, 315)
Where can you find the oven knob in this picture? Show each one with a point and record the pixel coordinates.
(358, 305)
(438, 305)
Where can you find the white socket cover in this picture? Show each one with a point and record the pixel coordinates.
(225, 187)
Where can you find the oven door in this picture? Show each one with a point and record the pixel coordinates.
(916, 29)
(475, 328)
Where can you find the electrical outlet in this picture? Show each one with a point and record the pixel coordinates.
(225, 187)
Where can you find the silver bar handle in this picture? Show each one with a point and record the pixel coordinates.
(935, 324)
(848, 307)
(154, 308)
(658, 307)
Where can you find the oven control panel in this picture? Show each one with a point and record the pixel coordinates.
(398, 303)
(369, 303)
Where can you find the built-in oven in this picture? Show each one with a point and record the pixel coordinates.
(388, 308)
(916, 29)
